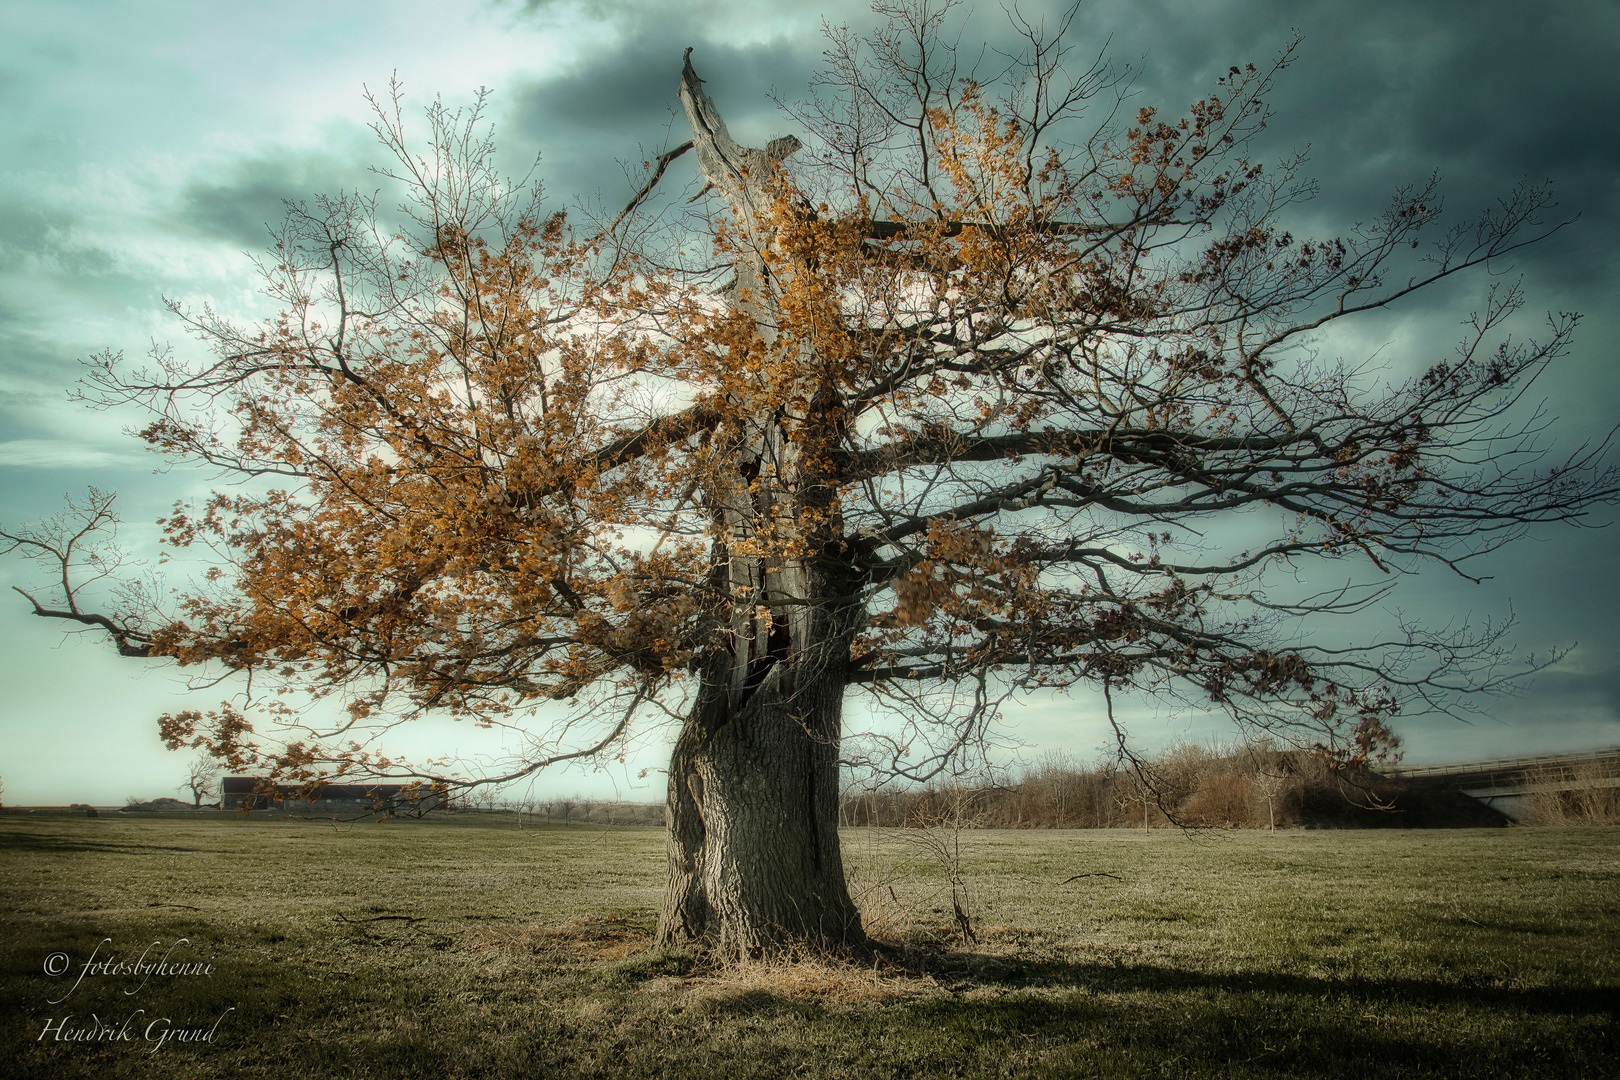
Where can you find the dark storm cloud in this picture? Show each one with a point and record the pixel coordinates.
(619, 105)
(1383, 93)
(1487, 93)
(32, 354)
(1560, 693)
(250, 198)
(34, 237)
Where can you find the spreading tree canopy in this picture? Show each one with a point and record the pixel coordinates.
(956, 398)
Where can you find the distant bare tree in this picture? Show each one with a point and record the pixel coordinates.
(937, 831)
(202, 779)
(1271, 777)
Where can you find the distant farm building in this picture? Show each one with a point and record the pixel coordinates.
(254, 793)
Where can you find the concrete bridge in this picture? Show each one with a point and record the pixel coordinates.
(1506, 784)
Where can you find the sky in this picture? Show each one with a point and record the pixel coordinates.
(145, 147)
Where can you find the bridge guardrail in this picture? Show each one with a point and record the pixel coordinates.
(1505, 772)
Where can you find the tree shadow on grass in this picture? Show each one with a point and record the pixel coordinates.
(1264, 1035)
(959, 1013)
(30, 842)
(961, 971)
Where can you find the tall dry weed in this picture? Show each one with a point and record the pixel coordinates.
(1582, 794)
(1223, 800)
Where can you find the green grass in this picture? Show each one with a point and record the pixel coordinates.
(1382, 954)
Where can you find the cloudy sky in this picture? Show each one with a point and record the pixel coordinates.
(144, 147)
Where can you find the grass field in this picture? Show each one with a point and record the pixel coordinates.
(474, 948)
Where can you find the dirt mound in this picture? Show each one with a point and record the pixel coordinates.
(160, 804)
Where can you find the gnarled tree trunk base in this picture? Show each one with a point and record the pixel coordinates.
(755, 868)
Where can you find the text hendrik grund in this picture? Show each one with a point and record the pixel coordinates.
(158, 1032)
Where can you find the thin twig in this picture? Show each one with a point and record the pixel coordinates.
(663, 163)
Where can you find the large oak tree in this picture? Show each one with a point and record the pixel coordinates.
(952, 403)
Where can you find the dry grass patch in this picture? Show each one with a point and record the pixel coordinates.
(615, 950)
(826, 982)
(580, 942)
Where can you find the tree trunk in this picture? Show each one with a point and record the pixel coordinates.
(754, 860)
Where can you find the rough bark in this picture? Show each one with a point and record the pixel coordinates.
(754, 859)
